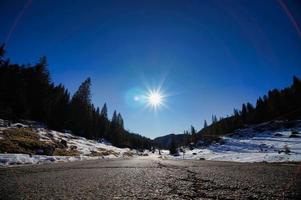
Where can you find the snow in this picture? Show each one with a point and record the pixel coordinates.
(251, 145)
(267, 142)
(84, 146)
(21, 159)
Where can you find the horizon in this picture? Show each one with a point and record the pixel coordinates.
(204, 68)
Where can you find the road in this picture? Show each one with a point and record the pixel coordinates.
(151, 178)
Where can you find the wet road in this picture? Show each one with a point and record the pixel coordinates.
(151, 178)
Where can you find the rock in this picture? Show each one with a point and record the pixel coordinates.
(73, 147)
(64, 143)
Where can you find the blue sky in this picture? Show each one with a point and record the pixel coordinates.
(211, 56)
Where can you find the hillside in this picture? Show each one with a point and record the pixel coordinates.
(35, 144)
(28, 92)
(284, 104)
(164, 141)
(275, 141)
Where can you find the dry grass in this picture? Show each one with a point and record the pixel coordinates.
(103, 152)
(128, 154)
(22, 140)
(65, 152)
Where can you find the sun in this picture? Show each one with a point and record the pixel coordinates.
(155, 99)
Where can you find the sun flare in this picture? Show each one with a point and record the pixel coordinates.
(155, 99)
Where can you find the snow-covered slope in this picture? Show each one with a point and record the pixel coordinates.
(63, 146)
(271, 142)
(84, 146)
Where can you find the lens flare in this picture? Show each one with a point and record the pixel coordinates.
(155, 99)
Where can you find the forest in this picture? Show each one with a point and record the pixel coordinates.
(27, 92)
(284, 104)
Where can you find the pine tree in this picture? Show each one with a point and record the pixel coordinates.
(2, 52)
(214, 119)
(104, 111)
(205, 124)
(120, 120)
(172, 146)
(83, 94)
(114, 118)
(244, 112)
(81, 110)
(193, 135)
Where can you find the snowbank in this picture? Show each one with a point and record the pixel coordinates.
(22, 159)
(67, 147)
(259, 143)
(83, 145)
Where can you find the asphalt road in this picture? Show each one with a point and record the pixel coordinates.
(151, 178)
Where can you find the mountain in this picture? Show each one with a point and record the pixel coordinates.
(164, 141)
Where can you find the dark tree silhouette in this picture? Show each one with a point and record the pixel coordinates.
(282, 104)
(28, 93)
(172, 146)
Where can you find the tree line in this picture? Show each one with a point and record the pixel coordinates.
(27, 92)
(282, 104)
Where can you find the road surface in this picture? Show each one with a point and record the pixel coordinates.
(151, 178)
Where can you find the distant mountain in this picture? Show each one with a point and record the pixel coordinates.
(164, 141)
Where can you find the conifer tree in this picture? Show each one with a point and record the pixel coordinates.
(172, 146)
(104, 111)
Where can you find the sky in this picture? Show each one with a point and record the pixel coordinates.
(207, 56)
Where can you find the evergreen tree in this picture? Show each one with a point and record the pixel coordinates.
(81, 110)
(172, 146)
(114, 118)
(214, 119)
(104, 111)
(120, 120)
(193, 135)
(2, 52)
(28, 93)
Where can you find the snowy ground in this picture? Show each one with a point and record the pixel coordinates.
(22, 159)
(83, 145)
(87, 149)
(269, 142)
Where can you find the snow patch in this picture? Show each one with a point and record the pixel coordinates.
(22, 159)
(87, 149)
(267, 142)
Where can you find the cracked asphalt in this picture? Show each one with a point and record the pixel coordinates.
(152, 178)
